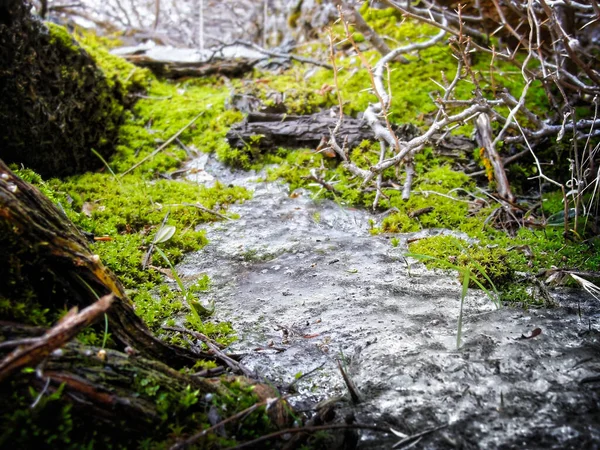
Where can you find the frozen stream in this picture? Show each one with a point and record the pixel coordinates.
(304, 284)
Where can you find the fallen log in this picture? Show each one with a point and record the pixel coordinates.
(292, 131)
(179, 69)
(121, 395)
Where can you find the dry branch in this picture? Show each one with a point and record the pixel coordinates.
(61, 333)
(484, 136)
(163, 146)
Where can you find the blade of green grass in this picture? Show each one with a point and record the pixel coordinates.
(463, 294)
(106, 165)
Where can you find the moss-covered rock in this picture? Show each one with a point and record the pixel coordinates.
(56, 104)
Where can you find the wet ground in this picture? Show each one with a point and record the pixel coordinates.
(305, 284)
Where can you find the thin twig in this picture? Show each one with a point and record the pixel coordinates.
(214, 347)
(304, 375)
(193, 439)
(272, 53)
(312, 429)
(409, 439)
(195, 334)
(202, 208)
(354, 394)
(155, 152)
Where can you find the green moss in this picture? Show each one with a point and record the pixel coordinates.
(130, 78)
(501, 256)
(169, 108)
(57, 104)
(22, 427)
(522, 295)
(237, 396)
(476, 259)
(60, 35)
(127, 213)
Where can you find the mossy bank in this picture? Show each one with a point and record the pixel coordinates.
(121, 215)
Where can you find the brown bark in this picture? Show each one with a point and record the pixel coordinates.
(303, 131)
(128, 396)
(64, 331)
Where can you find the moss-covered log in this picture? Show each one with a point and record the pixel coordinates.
(86, 396)
(55, 103)
(294, 131)
(94, 395)
(48, 265)
(266, 130)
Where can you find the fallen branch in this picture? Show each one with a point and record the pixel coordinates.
(178, 69)
(193, 439)
(275, 54)
(214, 348)
(354, 394)
(58, 335)
(484, 136)
(311, 429)
(163, 146)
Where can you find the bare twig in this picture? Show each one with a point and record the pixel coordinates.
(201, 208)
(354, 394)
(214, 347)
(272, 53)
(56, 336)
(312, 429)
(484, 134)
(163, 146)
(196, 437)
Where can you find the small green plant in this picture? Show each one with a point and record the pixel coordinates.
(164, 233)
(467, 276)
(106, 165)
(106, 334)
(395, 241)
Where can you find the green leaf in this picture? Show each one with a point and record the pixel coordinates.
(201, 309)
(164, 234)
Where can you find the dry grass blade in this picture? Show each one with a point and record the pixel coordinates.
(587, 285)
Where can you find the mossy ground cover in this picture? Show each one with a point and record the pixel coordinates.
(125, 212)
(452, 199)
(128, 210)
(54, 423)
